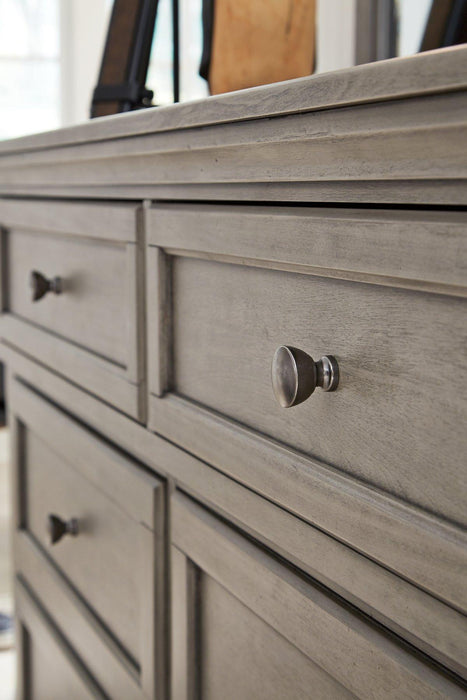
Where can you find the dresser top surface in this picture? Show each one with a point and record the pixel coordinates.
(444, 70)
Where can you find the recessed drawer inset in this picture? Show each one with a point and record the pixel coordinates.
(379, 294)
(246, 281)
(262, 631)
(99, 519)
(49, 668)
(71, 290)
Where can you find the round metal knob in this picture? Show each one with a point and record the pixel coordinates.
(295, 375)
(40, 285)
(58, 528)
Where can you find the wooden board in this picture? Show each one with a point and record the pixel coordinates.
(261, 42)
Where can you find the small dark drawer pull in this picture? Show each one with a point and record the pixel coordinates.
(58, 527)
(40, 285)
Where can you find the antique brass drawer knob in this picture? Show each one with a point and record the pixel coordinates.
(40, 285)
(295, 375)
(58, 528)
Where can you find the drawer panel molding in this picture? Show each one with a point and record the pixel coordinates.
(115, 565)
(411, 612)
(91, 329)
(362, 658)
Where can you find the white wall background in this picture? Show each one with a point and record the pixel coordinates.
(83, 28)
(51, 50)
(50, 54)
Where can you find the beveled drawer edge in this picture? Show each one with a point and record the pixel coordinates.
(106, 221)
(329, 242)
(420, 74)
(322, 496)
(89, 639)
(357, 578)
(136, 493)
(28, 610)
(292, 606)
(81, 367)
(133, 489)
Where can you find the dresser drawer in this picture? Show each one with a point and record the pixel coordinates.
(85, 324)
(48, 667)
(380, 291)
(94, 517)
(245, 625)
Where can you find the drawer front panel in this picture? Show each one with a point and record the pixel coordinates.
(112, 559)
(394, 420)
(239, 616)
(88, 324)
(92, 309)
(107, 549)
(49, 669)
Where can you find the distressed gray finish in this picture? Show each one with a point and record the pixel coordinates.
(387, 343)
(351, 136)
(94, 320)
(428, 73)
(48, 668)
(227, 547)
(120, 513)
(237, 587)
(407, 609)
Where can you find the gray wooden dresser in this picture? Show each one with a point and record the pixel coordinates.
(178, 533)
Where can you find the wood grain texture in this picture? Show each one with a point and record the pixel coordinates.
(375, 143)
(253, 660)
(416, 545)
(407, 192)
(98, 650)
(94, 307)
(261, 43)
(408, 249)
(225, 332)
(94, 374)
(94, 327)
(362, 658)
(120, 511)
(435, 71)
(405, 608)
(104, 221)
(159, 320)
